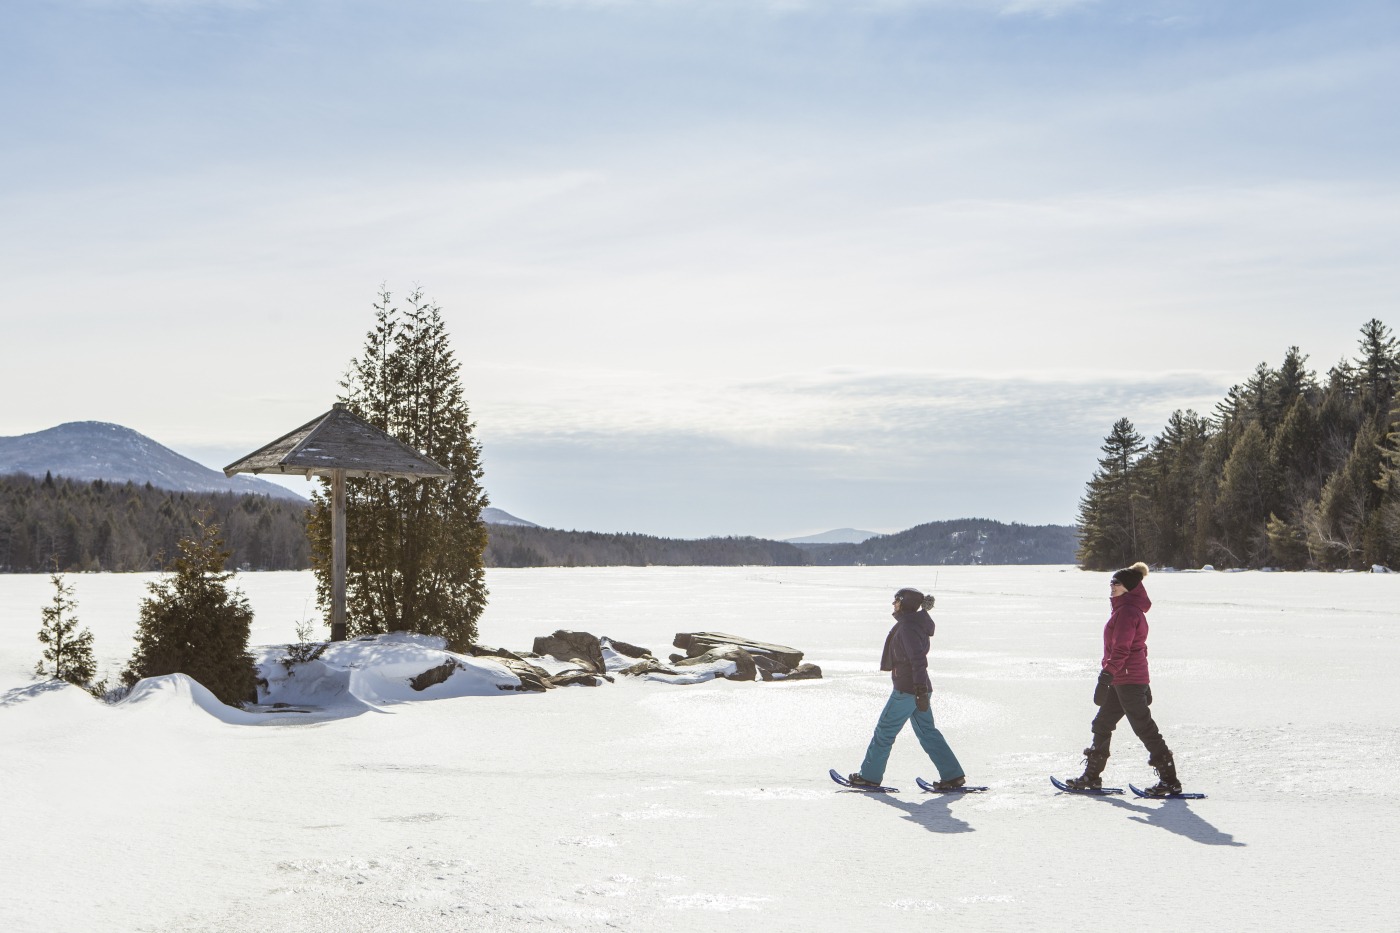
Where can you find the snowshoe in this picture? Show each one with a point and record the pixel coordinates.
(1085, 782)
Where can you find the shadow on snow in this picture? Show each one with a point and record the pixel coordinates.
(933, 812)
(19, 695)
(1175, 817)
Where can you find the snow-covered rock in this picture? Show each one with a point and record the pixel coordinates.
(377, 670)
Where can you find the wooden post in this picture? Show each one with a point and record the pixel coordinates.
(338, 555)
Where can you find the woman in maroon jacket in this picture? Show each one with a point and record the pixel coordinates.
(1124, 686)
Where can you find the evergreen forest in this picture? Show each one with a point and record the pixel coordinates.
(66, 525)
(963, 541)
(1292, 471)
(520, 546)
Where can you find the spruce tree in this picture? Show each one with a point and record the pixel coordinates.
(1109, 513)
(414, 551)
(67, 650)
(193, 624)
(1173, 468)
(1378, 367)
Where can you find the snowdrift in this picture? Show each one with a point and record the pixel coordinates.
(177, 694)
(374, 671)
(344, 678)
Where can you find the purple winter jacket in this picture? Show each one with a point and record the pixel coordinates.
(906, 651)
(1125, 637)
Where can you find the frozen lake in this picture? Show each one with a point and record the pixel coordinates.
(642, 806)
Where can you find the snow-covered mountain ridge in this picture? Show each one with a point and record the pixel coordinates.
(93, 450)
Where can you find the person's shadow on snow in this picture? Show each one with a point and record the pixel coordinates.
(1176, 817)
(932, 813)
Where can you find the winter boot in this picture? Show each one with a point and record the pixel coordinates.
(1095, 757)
(951, 783)
(858, 781)
(1167, 782)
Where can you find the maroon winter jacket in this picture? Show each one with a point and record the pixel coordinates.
(1125, 637)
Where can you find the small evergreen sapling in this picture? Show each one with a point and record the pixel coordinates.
(67, 650)
(192, 624)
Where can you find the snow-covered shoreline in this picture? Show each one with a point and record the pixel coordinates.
(640, 805)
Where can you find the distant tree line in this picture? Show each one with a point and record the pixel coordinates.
(1289, 471)
(965, 541)
(66, 525)
(521, 546)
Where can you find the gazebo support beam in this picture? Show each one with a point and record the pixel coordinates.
(337, 555)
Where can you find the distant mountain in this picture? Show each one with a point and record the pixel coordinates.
(961, 541)
(493, 516)
(835, 536)
(92, 450)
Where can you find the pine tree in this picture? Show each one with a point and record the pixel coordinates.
(1295, 381)
(414, 551)
(1109, 513)
(1245, 499)
(1296, 453)
(67, 650)
(193, 624)
(1337, 526)
(1173, 470)
(1378, 367)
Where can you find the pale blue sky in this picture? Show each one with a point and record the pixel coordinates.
(711, 267)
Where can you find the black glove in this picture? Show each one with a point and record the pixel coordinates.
(1102, 687)
(921, 700)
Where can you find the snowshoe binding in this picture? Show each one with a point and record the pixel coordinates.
(1095, 758)
(1167, 783)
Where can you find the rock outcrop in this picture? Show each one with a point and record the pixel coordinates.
(580, 648)
(568, 658)
(695, 644)
(744, 664)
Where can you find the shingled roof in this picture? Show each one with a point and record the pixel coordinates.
(339, 440)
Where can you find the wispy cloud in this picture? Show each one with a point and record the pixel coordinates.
(840, 445)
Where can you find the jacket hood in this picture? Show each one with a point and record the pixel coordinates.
(919, 618)
(1136, 598)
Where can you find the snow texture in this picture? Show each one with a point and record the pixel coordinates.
(365, 805)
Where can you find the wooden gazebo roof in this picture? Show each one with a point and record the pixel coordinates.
(339, 440)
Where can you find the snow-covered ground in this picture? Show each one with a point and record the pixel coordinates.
(645, 806)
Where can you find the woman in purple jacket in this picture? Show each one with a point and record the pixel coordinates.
(1124, 686)
(906, 658)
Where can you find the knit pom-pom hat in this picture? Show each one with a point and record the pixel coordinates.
(911, 600)
(1130, 577)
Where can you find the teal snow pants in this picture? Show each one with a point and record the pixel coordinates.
(898, 710)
